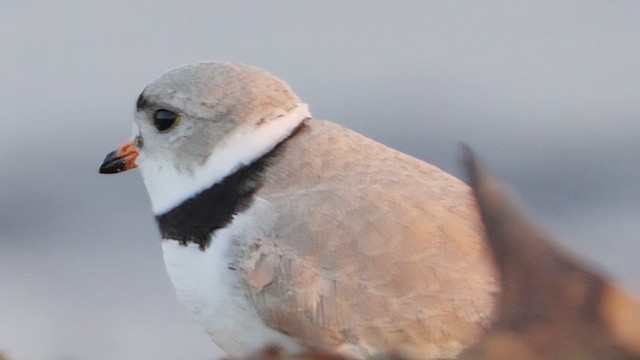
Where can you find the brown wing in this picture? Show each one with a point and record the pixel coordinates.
(370, 250)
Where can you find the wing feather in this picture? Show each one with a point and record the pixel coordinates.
(368, 248)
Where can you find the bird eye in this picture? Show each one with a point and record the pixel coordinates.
(164, 119)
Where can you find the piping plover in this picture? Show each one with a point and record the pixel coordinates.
(284, 229)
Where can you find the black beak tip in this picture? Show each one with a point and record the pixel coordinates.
(112, 164)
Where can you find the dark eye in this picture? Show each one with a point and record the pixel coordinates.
(164, 119)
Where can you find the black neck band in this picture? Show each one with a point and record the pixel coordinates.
(195, 219)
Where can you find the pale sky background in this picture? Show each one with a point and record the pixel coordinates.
(547, 92)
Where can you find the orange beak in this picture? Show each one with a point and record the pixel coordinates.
(120, 160)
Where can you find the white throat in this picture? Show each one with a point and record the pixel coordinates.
(168, 187)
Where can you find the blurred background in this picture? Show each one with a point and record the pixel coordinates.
(546, 92)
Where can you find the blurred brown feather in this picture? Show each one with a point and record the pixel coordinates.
(551, 305)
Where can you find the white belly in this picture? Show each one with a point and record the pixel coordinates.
(209, 289)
